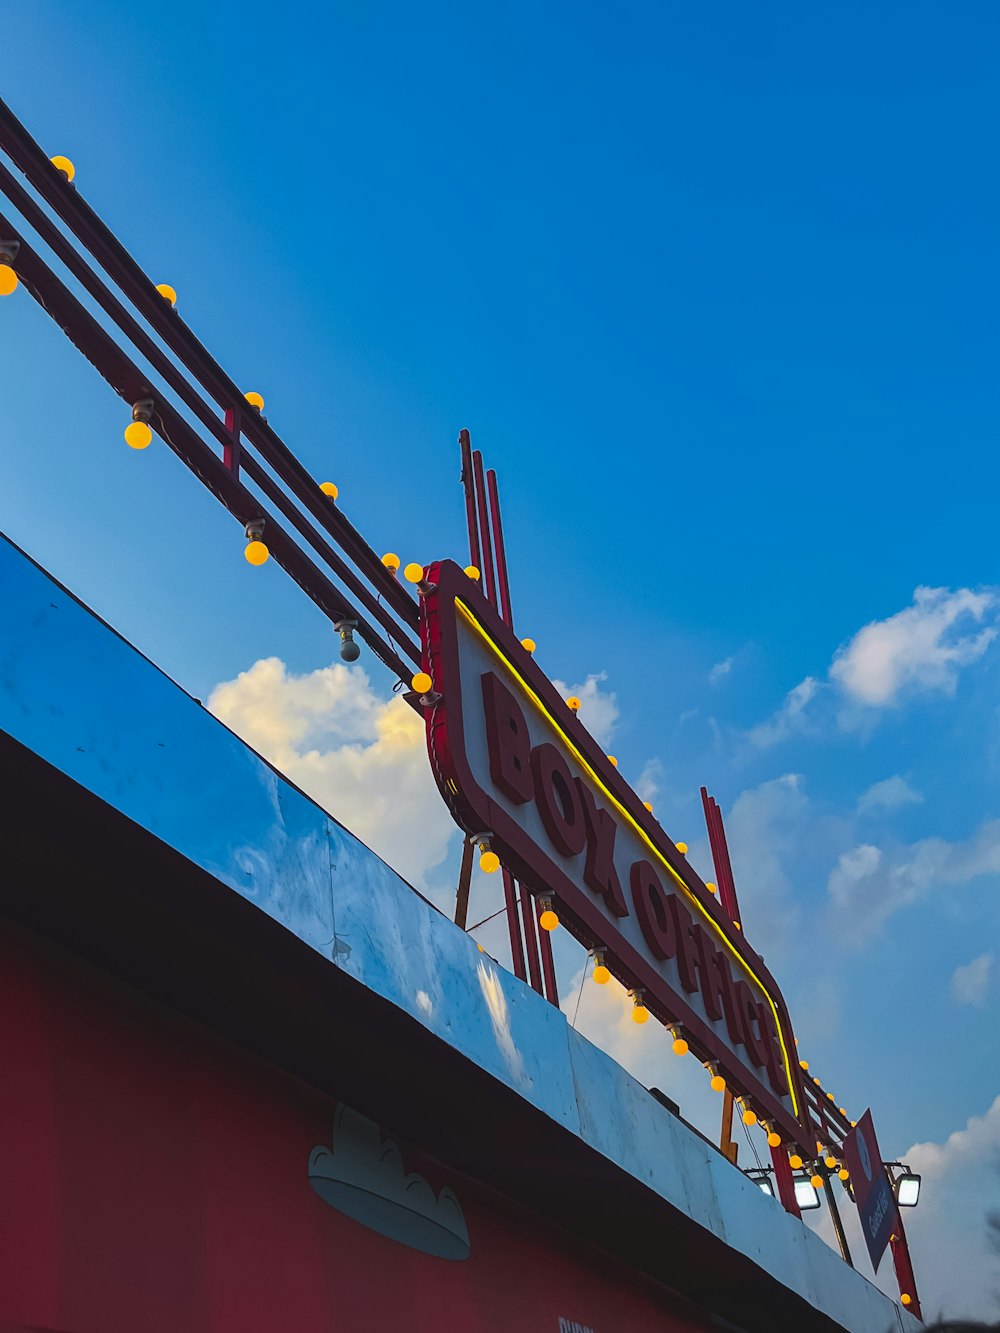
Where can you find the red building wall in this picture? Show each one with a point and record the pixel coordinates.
(153, 1180)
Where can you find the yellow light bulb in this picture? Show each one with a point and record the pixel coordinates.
(816, 1081)
(573, 704)
(167, 292)
(548, 920)
(853, 1124)
(639, 1013)
(803, 1064)
(718, 1083)
(601, 975)
(712, 888)
(413, 573)
(844, 1174)
(795, 1161)
(472, 572)
(612, 761)
(830, 1097)
(843, 1112)
(138, 435)
(773, 1140)
(680, 1046)
(255, 400)
(907, 1300)
(831, 1162)
(489, 862)
(64, 165)
(816, 1182)
(528, 645)
(648, 805)
(737, 925)
(422, 683)
(749, 1117)
(682, 847)
(330, 488)
(391, 561)
(8, 280)
(256, 552)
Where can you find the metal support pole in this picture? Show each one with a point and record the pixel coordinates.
(530, 939)
(489, 583)
(548, 963)
(464, 884)
(838, 1225)
(499, 549)
(231, 451)
(513, 926)
(468, 482)
(730, 1148)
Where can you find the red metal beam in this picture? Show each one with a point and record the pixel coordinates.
(66, 201)
(125, 377)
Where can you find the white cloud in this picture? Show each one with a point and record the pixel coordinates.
(868, 884)
(852, 869)
(649, 781)
(958, 1272)
(361, 757)
(598, 708)
(969, 983)
(919, 648)
(720, 671)
(889, 794)
(790, 718)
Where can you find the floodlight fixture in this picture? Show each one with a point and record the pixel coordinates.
(805, 1192)
(761, 1177)
(905, 1185)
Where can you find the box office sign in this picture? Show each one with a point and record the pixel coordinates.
(514, 763)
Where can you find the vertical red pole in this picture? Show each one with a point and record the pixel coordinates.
(548, 962)
(231, 449)
(784, 1180)
(904, 1268)
(720, 856)
(548, 966)
(513, 925)
(530, 939)
(486, 568)
(465, 444)
(503, 586)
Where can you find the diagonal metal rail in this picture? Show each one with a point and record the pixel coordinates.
(274, 470)
(133, 385)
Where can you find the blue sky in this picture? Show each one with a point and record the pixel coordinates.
(715, 290)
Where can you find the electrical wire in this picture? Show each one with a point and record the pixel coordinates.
(579, 997)
(503, 909)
